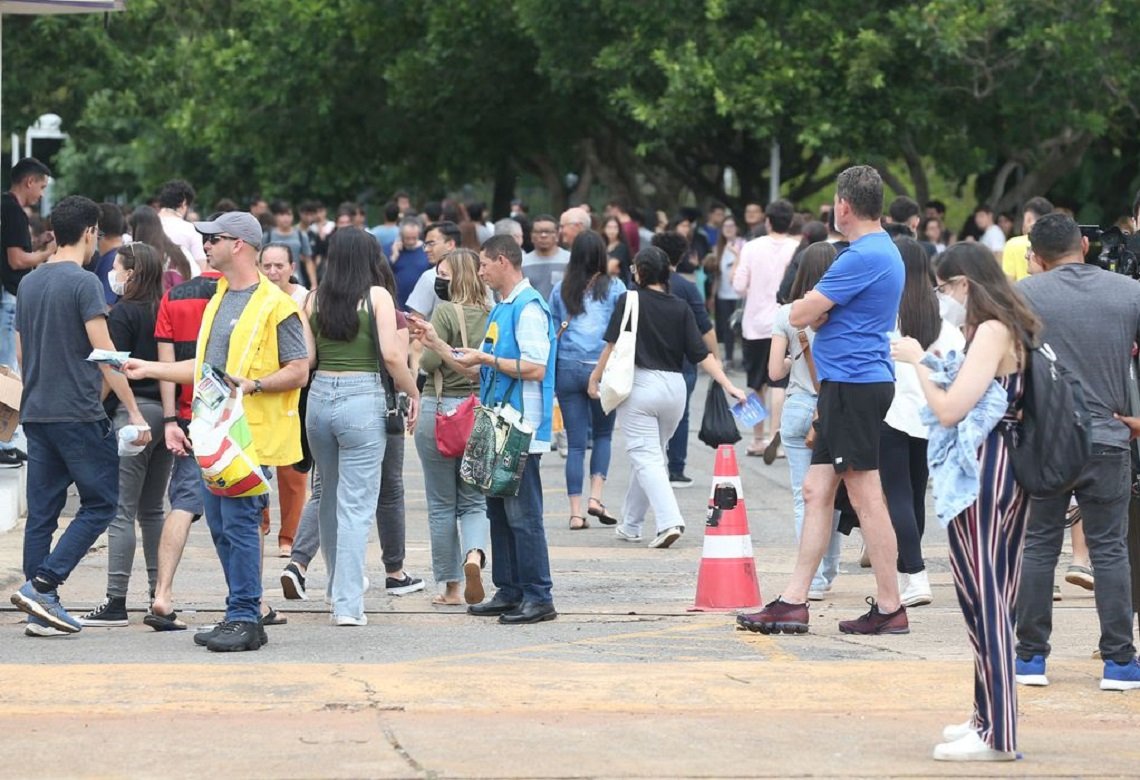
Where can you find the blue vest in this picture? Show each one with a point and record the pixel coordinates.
(502, 342)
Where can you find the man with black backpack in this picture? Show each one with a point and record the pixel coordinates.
(1097, 350)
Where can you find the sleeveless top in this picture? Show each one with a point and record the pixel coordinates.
(356, 355)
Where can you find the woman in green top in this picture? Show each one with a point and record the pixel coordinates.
(457, 512)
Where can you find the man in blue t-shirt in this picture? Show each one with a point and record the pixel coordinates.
(853, 310)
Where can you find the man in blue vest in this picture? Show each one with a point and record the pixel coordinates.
(516, 366)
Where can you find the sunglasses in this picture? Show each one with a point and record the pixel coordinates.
(216, 237)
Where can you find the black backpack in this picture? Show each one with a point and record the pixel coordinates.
(1052, 443)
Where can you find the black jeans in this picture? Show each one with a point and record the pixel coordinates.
(903, 472)
(1103, 493)
(723, 310)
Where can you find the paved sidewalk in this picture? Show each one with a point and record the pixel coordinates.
(626, 683)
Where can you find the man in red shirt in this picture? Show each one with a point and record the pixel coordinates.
(176, 330)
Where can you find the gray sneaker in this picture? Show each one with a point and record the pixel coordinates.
(626, 536)
(667, 537)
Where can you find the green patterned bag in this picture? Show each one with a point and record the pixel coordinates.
(495, 457)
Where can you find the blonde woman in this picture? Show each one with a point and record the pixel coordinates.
(457, 512)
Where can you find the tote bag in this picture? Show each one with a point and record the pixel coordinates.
(223, 448)
(617, 378)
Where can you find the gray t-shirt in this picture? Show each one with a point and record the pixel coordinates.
(799, 378)
(290, 333)
(1092, 318)
(297, 241)
(56, 301)
(545, 272)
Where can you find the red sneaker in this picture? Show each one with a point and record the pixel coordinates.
(777, 616)
(876, 622)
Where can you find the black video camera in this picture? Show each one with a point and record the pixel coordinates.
(1113, 250)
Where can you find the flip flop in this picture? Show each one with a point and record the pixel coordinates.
(772, 450)
(164, 622)
(437, 601)
(757, 449)
(272, 618)
(600, 513)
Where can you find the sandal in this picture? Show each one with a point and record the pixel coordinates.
(164, 622)
(441, 601)
(603, 517)
(272, 618)
(772, 451)
(585, 523)
(757, 448)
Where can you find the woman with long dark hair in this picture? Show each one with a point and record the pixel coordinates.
(145, 226)
(790, 358)
(582, 305)
(986, 539)
(666, 334)
(136, 277)
(353, 318)
(616, 249)
(903, 442)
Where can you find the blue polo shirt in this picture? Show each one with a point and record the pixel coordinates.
(865, 283)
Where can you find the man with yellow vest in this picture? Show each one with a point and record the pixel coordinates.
(255, 332)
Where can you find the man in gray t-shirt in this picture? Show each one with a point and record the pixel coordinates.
(60, 318)
(1091, 320)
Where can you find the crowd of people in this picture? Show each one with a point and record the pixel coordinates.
(874, 339)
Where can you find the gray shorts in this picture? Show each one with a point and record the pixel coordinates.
(186, 486)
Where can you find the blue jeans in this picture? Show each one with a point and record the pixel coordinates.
(345, 423)
(580, 413)
(520, 560)
(8, 340)
(799, 408)
(59, 454)
(235, 526)
(678, 449)
(457, 512)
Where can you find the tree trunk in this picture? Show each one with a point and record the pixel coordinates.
(1064, 156)
(505, 180)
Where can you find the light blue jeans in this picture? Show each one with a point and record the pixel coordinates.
(457, 512)
(8, 340)
(799, 408)
(345, 423)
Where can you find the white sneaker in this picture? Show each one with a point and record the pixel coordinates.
(347, 620)
(41, 628)
(819, 594)
(626, 536)
(667, 537)
(914, 589)
(957, 731)
(971, 748)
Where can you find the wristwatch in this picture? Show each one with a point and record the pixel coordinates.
(256, 387)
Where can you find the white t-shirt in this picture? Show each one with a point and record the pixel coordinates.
(187, 238)
(300, 292)
(905, 412)
(994, 239)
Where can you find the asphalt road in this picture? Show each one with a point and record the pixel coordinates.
(626, 683)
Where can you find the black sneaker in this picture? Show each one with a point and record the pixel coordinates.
(235, 637)
(112, 613)
(293, 583)
(202, 638)
(680, 481)
(12, 459)
(402, 587)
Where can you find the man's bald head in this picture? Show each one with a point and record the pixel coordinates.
(573, 222)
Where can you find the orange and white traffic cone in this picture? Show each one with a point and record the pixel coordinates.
(727, 578)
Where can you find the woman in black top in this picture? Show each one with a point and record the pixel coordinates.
(137, 277)
(666, 334)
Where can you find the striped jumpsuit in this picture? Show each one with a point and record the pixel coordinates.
(986, 543)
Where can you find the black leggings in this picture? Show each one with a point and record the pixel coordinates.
(723, 311)
(903, 472)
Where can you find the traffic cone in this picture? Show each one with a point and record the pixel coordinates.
(727, 578)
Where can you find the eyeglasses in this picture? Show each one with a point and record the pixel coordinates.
(941, 288)
(432, 242)
(215, 238)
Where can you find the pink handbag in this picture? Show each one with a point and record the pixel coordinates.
(453, 429)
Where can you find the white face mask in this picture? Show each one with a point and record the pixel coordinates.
(951, 310)
(118, 285)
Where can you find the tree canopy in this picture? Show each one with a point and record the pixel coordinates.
(653, 99)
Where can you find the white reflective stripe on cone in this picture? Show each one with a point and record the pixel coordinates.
(734, 481)
(727, 546)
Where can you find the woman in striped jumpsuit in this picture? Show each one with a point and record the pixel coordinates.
(985, 540)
